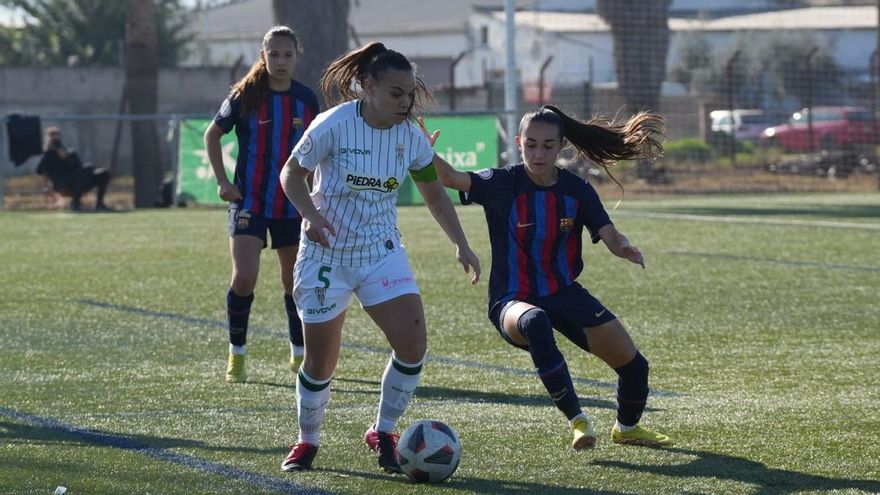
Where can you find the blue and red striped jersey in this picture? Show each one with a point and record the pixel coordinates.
(535, 231)
(265, 140)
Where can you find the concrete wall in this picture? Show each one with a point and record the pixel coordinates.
(71, 97)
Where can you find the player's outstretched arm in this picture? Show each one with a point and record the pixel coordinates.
(447, 174)
(620, 246)
(441, 208)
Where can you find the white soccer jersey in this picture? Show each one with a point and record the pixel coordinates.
(358, 170)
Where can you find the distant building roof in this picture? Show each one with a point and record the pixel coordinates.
(813, 18)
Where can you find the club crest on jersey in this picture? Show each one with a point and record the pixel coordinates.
(243, 219)
(296, 122)
(566, 224)
(400, 154)
(363, 183)
(320, 293)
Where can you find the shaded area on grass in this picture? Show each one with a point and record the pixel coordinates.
(45, 428)
(725, 467)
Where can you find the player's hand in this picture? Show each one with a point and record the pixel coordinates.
(468, 260)
(632, 253)
(317, 228)
(432, 137)
(228, 191)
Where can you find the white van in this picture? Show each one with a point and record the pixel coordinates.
(747, 124)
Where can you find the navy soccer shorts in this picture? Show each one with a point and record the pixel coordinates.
(571, 310)
(285, 231)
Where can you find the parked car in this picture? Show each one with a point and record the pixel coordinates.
(833, 128)
(744, 124)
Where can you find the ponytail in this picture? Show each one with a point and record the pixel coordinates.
(606, 141)
(345, 75)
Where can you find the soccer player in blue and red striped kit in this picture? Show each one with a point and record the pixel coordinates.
(536, 213)
(270, 111)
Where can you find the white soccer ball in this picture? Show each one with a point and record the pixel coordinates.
(429, 451)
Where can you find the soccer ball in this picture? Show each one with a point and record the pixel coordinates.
(429, 451)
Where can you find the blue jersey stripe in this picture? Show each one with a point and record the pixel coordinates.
(277, 125)
(539, 201)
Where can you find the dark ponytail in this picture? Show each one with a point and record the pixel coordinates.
(606, 141)
(346, 74)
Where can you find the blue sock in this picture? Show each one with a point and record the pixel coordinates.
(632, 390)
(535, 325)
(238, 310)
(294, 325)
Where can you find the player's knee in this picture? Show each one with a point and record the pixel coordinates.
(535, 326)
(244, 283)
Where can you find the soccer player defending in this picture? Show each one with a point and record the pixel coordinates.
(360, 151)
(536, 213)
(270, 112)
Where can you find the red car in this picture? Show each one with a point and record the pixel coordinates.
(833, 128)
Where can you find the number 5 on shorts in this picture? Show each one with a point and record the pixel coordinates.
(322, 276)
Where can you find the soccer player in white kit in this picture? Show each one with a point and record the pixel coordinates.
(359, 152)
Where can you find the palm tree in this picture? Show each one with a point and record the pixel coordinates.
(641, 41)
(322, 29)
(141, 92)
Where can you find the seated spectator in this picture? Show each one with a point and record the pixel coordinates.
(69, 177)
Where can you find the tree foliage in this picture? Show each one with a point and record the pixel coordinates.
(86, 32)
(769, 70)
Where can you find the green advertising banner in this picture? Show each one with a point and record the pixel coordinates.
(468, 143)
(195, 179)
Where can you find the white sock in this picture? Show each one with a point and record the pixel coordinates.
(296, 350)
(623, 428)
(310, 406)
(398, 384)
(238, 350)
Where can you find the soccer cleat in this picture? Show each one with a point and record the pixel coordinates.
(584, 435)
(300, 457)
(640, 436)
(235, 372)
(384, 444)
(295, 363)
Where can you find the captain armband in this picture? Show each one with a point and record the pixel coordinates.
(427, 174)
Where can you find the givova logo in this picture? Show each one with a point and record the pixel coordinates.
(354, 151)
(364, 183)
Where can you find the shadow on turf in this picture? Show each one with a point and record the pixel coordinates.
(429, 393)
(725, 467)
(476, 485)
(47, 435)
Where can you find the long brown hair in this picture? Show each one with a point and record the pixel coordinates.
(345, 74)
(254, 86)
(604, 140)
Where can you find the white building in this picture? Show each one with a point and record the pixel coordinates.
(469, 35)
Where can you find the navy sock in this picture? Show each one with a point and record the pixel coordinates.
(535, 325)
(294, 325)
(238, 310)
(632, 390)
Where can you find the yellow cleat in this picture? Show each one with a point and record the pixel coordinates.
(235, 372)
(640, 436)
(295, 363)
(584, 435)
